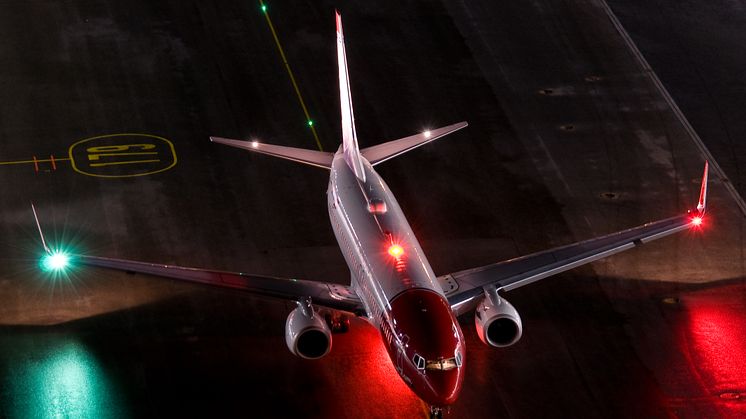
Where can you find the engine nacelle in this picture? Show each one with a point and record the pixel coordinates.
(499, 324)
(307, 334)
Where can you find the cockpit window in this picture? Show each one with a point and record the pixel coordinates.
(419, 361)
(442, 364)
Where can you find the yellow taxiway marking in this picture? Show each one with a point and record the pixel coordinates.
(4, 163)
(95, 152)
(309, 121)
(100, 153)
(123, 162)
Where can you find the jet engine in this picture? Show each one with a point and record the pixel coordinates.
(498, 324)
(307, 333)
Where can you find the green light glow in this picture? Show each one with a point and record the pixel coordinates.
(310, 122)
(55, 261)
(57, 377)
(264, 8)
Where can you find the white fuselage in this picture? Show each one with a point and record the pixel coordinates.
(365, 237)
(400, 292)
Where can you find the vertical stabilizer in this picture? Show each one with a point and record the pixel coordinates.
(349, 137)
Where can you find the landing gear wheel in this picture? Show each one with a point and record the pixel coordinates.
(436, 412)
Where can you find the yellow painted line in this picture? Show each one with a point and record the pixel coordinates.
(116, 150)
(290, 73)
(138, 153)
(123, 162)
(5, 163)
(85, 140)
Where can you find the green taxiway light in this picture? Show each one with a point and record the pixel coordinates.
(55, 261)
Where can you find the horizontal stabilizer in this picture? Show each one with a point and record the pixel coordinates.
(382, 152)
(311, 157)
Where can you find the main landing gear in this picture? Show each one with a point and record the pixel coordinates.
(338, 323)
(436, 412)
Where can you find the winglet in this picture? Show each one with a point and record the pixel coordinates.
(702, 203)
(41, 234)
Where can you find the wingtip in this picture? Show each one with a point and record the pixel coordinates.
(702, 203)
(41, 233)
(220, 140)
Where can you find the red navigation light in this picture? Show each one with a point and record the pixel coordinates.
(396, 251)
(697, 221)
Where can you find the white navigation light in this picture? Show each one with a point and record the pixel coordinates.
(427, 133)
(255, 144)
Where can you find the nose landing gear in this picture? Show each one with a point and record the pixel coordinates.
(436, 412)
(338, 323)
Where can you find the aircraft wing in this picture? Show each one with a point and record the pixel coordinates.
(326, 294)
(466, 287)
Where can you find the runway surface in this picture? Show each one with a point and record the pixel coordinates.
(696, 50)
(568, 139)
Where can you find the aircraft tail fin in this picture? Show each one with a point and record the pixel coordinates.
(349, 136)
(310, 157)
(352, 154)
(382, 152)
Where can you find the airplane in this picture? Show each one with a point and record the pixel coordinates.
(392, 284)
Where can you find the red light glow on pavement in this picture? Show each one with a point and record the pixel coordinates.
(718, 341)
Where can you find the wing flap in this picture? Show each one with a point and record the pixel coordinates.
(466, 287)
(330, 295)
(514, 273)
